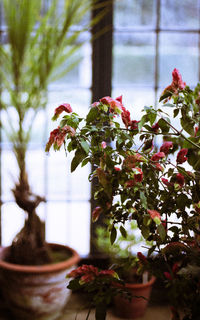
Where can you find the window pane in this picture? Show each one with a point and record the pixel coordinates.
(133, 59)
(134, 99)
(129, 13)
(179, 51)
(180, 14)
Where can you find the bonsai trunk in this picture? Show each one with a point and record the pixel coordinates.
(29, 246)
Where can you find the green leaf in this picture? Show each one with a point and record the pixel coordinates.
(188, 124)
(85, 161)
(161, 231)
(85, 145)
(113, 235)
(123, 231)
(163, 125)
(92, 115)
(145, 232)
(165, 95)
(176, 112)
(79, 156)
(182, 201)
(143, 199)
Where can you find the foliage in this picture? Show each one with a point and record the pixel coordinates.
(39, 47)
(156, 186)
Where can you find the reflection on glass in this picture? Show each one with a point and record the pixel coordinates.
(129, 13)
(133, 58)
(179, 51)
(180, 14)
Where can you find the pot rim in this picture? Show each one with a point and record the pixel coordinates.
(53, 267)
(137, 285)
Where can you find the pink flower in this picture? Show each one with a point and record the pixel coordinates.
(167, 275)
(103, 145)
(155, 127)
(125, 115)
(114, 104)
(181, 156)
(110, 273)
(166, 146)
(129, 183)
(138, 175)
(131, 160)
(95, 104)
(63, 107)
(166, 182)
(177, 80)
(158, 167)
(119, 99)
(96, 213)
(180, 179)
(141, 257)
(157, 156)
(196, 129)
(53, 135)
(155, 215)
(176, 85)
(57, 136)
(134, 125)
(117, 169)
(83, 270)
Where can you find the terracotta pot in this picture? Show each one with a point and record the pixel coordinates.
(137, 306)
(36, 292)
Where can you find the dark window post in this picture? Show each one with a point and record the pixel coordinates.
(101, 72)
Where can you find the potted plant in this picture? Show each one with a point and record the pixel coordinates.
(38, 49)
(124, 260)
(148, 171)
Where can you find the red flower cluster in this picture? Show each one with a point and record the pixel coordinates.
(63, 107)
(137, 177)
(88, 273)
(166, 146)
(170, 276)
(96, 213)
(131, 160)
(57, 136)
(132, 124)
(157, 156)
(155, 215)
(181, 156)
(114, 104)
(155, 127)
(177, 83)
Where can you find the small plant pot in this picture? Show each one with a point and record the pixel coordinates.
(36, 292)
(136, 307)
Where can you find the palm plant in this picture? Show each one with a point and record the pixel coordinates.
(40, 42)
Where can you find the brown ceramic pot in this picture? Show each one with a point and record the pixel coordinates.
(36, 292)
(135, 308)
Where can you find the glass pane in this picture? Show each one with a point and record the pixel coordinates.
(133, 13)
(180, 14)
(78, 67)
(69, 223)
(179, 51)
(12, 222)
(133, 59)
(134, 99)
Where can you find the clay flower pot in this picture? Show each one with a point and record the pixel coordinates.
(137, 306)
(36, 292)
